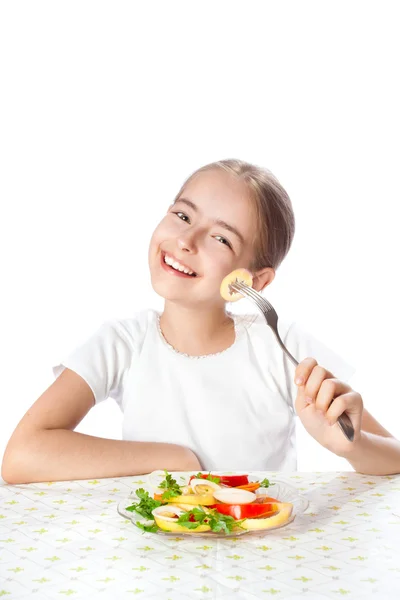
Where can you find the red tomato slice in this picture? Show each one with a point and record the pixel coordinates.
(233, 480)
(230, 480)
(247, 511)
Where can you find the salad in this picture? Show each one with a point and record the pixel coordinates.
(210, 503)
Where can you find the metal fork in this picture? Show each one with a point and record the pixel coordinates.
(271, 317)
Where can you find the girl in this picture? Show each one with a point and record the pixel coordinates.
(199, 387)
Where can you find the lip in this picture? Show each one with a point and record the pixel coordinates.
(174, 271)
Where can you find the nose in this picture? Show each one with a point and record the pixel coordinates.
(186, 242)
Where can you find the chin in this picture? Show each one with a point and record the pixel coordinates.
(164, 289)
(161, 290)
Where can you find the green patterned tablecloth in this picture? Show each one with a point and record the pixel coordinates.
(66, 539)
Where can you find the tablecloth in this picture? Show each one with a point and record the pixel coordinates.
(66, 539)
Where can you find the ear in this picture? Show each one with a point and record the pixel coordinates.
(263, 278)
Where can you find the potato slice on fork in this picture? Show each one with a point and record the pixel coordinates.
(242, 275)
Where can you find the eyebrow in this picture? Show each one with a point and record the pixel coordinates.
(219, 222)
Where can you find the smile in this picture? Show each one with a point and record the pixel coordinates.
(171, 264)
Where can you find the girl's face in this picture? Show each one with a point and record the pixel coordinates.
(209, 231)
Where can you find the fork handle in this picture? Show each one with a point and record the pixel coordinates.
(282, 345)
(344, 420)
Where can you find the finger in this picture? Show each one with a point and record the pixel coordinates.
(350, 402)
(303, 370)
(314, 382)
(329, 390)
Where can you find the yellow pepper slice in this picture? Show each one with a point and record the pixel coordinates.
(285, 511)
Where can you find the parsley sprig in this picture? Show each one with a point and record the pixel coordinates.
(148, 528)
(145, 506)
(198, 516)
(209, 477)
(171, 487)
(265, 483)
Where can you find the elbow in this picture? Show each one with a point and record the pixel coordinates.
(22, 456)
(8, 473)
(13, 468)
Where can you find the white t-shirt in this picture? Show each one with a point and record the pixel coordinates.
(234, 409)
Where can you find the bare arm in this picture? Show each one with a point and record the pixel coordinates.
(377, 452)
(44, 446)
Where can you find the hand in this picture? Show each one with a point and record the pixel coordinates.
(321, 399)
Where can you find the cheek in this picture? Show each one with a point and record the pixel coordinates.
(219, 261)
(159, 233)
(167, 228)
(153, 240)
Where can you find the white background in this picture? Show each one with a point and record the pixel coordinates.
(107, 106)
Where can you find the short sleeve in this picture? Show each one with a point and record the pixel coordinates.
(103, 361)
(302, 345)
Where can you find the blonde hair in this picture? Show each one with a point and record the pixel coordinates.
(273, 208)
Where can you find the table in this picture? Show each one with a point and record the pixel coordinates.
(66, 539)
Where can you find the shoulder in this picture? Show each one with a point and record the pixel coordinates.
(131, 331)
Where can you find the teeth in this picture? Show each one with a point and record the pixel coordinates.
(175, 265)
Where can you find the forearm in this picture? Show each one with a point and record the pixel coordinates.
(60, 455)
(375, 454)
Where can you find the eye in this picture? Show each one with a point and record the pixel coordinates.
(223, 240)
(182, 216)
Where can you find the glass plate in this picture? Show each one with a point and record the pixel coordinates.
(281, 490)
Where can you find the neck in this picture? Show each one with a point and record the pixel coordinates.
(197, 331)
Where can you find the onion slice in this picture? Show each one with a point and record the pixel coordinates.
(204, 486)
(234, 496)
(165, 512)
